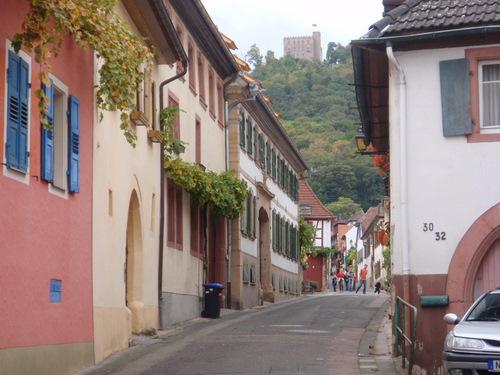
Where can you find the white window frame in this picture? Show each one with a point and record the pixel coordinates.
(485, 129)
(61, 138)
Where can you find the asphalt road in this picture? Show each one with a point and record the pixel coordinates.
(317, 335)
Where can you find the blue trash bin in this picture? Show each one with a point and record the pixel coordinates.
(213, 297)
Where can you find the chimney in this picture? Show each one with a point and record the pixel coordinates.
(391, 4)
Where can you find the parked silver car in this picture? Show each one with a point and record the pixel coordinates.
(472, 347)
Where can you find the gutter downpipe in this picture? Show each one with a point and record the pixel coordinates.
(404, 167)
(185, 63)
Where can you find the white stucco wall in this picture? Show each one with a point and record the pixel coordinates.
(119, 169)
(450, 182)
(282, 204)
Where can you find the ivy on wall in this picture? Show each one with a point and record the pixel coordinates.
(224, 193)
(95, 25)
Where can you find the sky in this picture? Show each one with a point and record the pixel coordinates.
(266, 22)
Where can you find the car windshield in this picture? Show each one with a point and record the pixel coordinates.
(488, 309)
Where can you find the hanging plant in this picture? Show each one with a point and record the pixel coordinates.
(224, 193)
(381, 162)
(95, 25)
(383, 235)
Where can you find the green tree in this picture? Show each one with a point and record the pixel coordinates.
(336, 53)
(253, 56)
(343, 208)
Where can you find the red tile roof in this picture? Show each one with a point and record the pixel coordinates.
(308, 198)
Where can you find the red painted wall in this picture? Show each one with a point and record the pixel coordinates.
(44, 236)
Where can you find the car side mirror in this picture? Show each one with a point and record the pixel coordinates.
(451, 318)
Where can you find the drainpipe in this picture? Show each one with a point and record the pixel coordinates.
(185, 62)
(403, 164)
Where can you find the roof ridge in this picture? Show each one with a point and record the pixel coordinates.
(377, 28)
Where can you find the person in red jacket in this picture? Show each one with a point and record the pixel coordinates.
(340, 280)
(362, 278)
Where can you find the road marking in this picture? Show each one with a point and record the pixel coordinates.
(307, 331)
(287, 325)
(334, 324)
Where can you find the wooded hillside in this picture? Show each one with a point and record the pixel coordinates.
(314, 100)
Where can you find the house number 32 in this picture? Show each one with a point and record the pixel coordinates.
(439, 236)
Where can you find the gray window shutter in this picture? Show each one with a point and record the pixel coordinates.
(455, 97)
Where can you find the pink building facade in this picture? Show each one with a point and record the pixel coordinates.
(45, 208)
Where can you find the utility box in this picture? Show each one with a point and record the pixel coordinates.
(429, 301)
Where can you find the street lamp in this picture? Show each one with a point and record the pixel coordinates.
(361, 140)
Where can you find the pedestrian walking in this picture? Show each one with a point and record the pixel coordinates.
(350, 281)
(377, 287)
(334, 282)
(340, 280)
(362, 278)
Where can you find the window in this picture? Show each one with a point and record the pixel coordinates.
(173, 101)
(255, 150)
(180, 32)
(273, 163)
(489, 94)
(262, 155)
(18, 112)
(242, 129)
(249, 218)
(268, 158)
(484, 82)
(211, 92)
(143, 113)
(197, 235)
(61, 144)
(201, 80)
(174, 215)
(249, 137)
(220, 102)
(198, 140)
(192, 66)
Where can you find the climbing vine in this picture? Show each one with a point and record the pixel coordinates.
(95, 25)
(224, 193)
(307, 232)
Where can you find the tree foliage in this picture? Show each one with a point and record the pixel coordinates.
(343, 208)
(315, 101)
(336, 53)
(253, 56)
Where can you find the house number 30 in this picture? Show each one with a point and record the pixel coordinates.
(439, 236)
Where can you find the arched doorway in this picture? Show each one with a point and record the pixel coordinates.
(488, 277)
(475, 263)
(134, 266)
(265, 272)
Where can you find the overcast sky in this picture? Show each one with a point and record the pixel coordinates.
(267, 22)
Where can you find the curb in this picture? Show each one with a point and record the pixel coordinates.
(375, 347)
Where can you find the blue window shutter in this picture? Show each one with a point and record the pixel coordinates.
(48, 137)
(17, 113)
(455, 97)
(23, 136)
(74, 145)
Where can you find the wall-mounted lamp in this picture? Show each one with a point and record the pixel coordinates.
(361, 140)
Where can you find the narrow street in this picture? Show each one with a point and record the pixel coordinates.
(317, 335)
